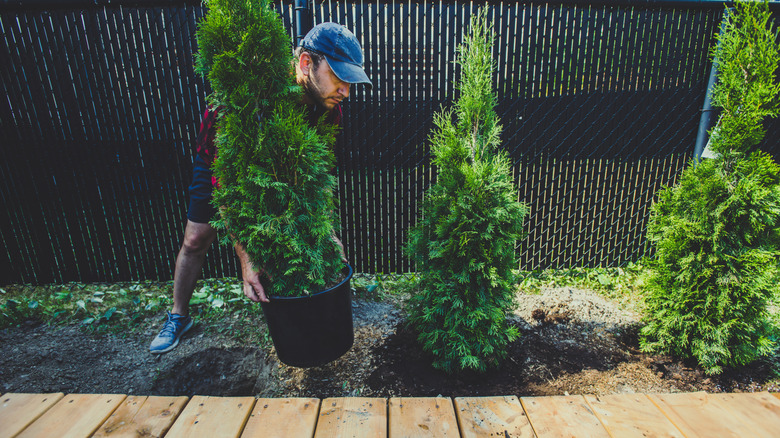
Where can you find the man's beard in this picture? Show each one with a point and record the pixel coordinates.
(311, 86)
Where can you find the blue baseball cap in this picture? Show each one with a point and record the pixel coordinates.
(342, 50)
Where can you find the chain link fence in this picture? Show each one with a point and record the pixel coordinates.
(600, 105)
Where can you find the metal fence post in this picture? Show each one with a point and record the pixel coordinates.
(302, 20)
(705, 123)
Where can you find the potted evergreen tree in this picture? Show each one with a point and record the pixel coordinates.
(716, 234)
(464, 244)
(275, 189)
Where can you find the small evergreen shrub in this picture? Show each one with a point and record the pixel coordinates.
(716, 233)
(716, 265)
(464, 244)
(275, 188)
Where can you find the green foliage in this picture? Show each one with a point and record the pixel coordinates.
(716, 266)
(465, 242)
(717, 233)
(99, 307)
(125, 308)
(747, 57)
(622, 284)
(378, 287)
(275, 188)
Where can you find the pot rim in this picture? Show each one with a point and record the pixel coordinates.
(303, 297)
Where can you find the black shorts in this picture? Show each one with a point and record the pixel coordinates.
(200, 210)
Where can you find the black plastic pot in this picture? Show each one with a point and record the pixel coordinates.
(312, 330)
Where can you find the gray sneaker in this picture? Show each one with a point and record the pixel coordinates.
(175, 326)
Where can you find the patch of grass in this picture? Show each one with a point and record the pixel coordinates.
(378, 287)
(126, 308)
(123, 308)
(98, 306)
(619, 284)
(219, 304)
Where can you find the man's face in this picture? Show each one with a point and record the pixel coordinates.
(323, 87)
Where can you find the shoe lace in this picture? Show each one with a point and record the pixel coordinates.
(169, 328)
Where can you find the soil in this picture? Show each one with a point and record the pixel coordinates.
(573, 342)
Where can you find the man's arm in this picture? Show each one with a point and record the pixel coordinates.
(253, 289)
(341, 248)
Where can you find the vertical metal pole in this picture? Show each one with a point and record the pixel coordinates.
(705, 123)
(302, 20)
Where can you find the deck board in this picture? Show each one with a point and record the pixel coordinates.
(213, 417)
(632, 415)
(422, 417)
(492, 417)
(141, 416)
(620, 415)
(760, 412)
(17, 411)
(282, 418)
(698, 415)
(75, 415)
(352, 417)
(563, 416)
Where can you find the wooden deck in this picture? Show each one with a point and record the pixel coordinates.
(696, 414)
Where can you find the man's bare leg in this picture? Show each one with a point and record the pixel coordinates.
(197, 240)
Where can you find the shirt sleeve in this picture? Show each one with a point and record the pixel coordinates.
(204, 144)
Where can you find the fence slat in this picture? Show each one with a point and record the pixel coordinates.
(599, 105)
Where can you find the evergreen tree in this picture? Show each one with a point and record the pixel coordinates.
(746, 59)
(464, 244)
(275, 189)
(717, 233)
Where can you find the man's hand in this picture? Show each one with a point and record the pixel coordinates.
(341, 248)
(253, 289)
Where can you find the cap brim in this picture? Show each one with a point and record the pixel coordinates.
(350, 73)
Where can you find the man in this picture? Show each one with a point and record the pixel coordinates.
(328, 61)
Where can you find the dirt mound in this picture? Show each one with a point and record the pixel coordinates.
(534, 362)
(218, 372)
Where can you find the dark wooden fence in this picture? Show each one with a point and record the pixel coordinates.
(600, 103)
